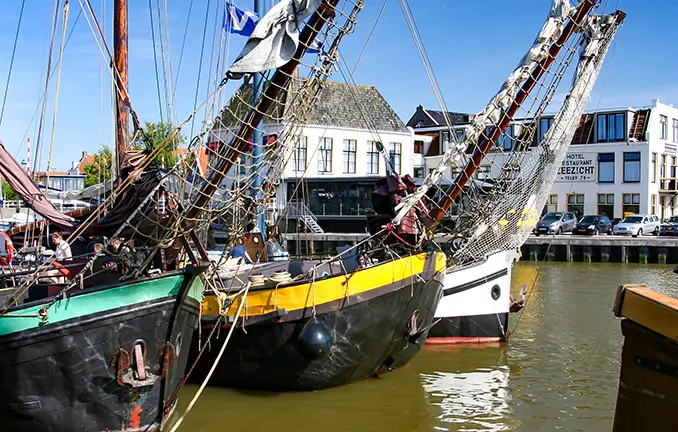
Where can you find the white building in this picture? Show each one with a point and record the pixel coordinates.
(620, 161)
(336, 164)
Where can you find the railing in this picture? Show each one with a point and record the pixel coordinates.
(668, 184)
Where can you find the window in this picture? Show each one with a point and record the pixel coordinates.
(418, 172)
(349, 156)
(544, 126)
(300, 154)
(611, 127)
(551, 204)
(675, 130)
(460, 134)
(394, 154)
(673, 167)
(606, 205)
(654, 167)
(372, 158)
(663, 124)
(575, 204)
(632, 167)
(653, 204)
(630, 204)
(505, 140)
(605, 167)
(419, 147)
(446, 141)
(325, 155)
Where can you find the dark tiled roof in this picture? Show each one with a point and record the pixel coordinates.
(338, 105)
(355, 106)
(423, 118)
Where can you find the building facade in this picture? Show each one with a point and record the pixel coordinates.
(621, 161)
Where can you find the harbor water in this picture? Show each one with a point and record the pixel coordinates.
(558, 372)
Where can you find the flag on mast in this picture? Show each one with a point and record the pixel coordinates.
(243, 21)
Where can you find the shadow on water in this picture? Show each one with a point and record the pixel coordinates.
(393, 402)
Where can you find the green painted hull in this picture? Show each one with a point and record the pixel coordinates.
(64, 373)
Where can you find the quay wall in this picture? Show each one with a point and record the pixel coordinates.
(603, 248)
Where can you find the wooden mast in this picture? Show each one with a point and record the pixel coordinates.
(487, 143)
(121, 78)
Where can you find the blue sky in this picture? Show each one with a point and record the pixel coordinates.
(473, 45)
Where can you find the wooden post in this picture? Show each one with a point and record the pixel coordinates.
(586, 254)
(534, 253)
(661, 255)
(642, 255)
(624, 255)
(605, 254)
(568, 253)
(121, 78)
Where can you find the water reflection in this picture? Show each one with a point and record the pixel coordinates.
(559, 371)
(393, 402)
(471, 394)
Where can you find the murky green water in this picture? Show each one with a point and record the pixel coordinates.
(558, 372)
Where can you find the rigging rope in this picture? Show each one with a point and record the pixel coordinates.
(11, 62)
(155, 59)
(202, 52)
(216, 360)
(64, 24)
(183, 44)
(38, 140)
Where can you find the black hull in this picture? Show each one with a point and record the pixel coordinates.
(369, 336)
(491, 326)
(60, 378)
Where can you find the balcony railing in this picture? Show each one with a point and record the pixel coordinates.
(668, 184)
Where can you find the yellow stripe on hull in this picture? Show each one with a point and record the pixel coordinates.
(308, 294)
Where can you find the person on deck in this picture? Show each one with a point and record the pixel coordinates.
(61, 253)
(408, 229)
(63, 249)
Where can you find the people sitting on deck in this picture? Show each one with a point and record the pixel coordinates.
(62, 253)
(385, 199)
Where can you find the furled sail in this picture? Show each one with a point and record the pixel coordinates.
(491, 114)
(12, 172)
(275, 38)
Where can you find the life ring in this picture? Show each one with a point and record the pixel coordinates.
(10, 250)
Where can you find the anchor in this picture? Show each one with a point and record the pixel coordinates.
(130, 371)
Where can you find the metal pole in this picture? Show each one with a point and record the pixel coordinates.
(257, 136)
(121, 77)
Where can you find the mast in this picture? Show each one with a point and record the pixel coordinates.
(257, 138)
(121, 78)
(487, 143)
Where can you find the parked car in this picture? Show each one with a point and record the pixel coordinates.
(556, 222)
(593, 225)
(615, 221)
(669, 227)
(637, 225)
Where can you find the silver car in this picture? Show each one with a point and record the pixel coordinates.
(638, 225)
(556, 223)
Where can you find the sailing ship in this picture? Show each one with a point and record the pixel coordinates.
(493, 219)
(299, 324)
(101, 343)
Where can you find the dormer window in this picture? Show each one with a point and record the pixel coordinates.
(611, 127)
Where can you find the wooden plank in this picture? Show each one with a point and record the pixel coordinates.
(648, 308)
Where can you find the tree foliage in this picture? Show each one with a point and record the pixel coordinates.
(158, 134)
(99, 170)
(8, 192)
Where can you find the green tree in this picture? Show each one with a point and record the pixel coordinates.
(8, 192)
(100, 169)
(157, 134)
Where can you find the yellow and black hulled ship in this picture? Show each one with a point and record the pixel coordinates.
(309, 325)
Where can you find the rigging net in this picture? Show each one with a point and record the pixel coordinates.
(501, 171)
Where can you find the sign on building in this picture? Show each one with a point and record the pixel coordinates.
(578, 167)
